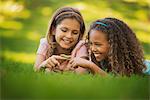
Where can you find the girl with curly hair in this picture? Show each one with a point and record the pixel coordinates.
(114, 48)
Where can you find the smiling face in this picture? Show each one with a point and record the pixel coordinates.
(99, 44)
(67, 33)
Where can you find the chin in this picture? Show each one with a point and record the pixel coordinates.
(99, 59)
(66, 46)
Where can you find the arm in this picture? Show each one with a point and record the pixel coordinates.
(41, 54)
(80, 51)
(51, 62)
(96, 69)
(39, 62)
(87, 64)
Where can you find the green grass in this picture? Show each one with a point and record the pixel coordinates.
(21, 30)
(70, 86)
(19, 81)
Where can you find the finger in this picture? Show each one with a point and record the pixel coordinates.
(51, 63)
(71, 64)
(71, 61)
(68, 68)
(71, 69)
(59, 57)
(48, 65)
(74, 65)
(55, 62)
(47, 70)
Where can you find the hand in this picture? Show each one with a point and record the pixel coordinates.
(53, 61)
(75, 62)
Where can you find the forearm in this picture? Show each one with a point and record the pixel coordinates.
(94, 68)
(81, 70)
(39, 66)
(40, 61)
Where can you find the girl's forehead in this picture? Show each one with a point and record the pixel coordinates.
(97, 35)
(70, 23)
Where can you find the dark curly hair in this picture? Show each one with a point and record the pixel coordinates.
(125, 56)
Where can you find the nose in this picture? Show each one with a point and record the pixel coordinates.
(93, 48)
(69, 35)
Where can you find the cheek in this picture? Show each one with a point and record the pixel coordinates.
(108, 48)
(76, 38)
(103, 50)
(58, 36)
(106, 51)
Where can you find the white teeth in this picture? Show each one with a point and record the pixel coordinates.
(66, 41)
(97, 54)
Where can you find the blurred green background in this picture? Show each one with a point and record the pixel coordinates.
(24, 22)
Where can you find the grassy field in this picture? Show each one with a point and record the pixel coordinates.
(24, 22)
(20, 82)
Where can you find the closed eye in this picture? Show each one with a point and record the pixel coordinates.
(75, 32)
(63, 29)
(97, 44)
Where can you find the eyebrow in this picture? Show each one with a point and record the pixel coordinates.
(96, 42)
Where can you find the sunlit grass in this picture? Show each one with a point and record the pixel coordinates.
(91, 12)
(141, 2)
(78, 5)
(143, 36)
(33, 35)
(141, 14)
(30, 35)
(23, 23)
(25, 14)
(19, 56)
(46, 11)
(70, 86)
(9, 34)
(10, 8)
(11, 25)
(138, 24)
(147, 57)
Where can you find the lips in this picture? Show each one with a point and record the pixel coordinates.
(67, 41)
(97, 54)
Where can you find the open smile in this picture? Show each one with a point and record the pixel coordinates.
(67, 41)
(97, 54)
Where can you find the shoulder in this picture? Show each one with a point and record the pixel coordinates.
(43, 41)
(43, 46)
(80, 50)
